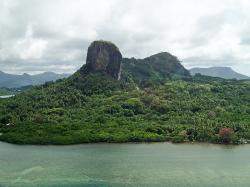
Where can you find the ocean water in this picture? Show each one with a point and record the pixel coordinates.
(125, 165)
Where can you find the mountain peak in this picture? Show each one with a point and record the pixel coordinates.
(104, 56)
(156, 67)
(164, 56)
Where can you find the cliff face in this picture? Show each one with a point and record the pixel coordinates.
(104, 57)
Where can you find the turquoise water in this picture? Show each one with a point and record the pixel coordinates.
(125, 165)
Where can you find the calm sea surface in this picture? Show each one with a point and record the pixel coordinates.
(125, 165)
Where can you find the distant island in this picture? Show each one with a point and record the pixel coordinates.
(117, 99)
(16, 81)
(222, 72)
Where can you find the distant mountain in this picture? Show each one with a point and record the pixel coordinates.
(222, 72)
(16, 81)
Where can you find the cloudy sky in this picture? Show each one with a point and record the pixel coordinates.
(53, 35)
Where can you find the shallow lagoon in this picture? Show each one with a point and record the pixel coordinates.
(155, 164)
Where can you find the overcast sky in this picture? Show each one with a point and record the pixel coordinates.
(53, 35)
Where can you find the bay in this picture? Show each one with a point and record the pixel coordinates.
(104, 165)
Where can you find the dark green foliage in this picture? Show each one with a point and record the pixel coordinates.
(178, 139)
(13, 91)
(6, 91)
(153, 70)
(94, 108)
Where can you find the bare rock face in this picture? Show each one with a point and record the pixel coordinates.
(104, 57)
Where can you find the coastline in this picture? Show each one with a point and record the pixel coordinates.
(121, 143)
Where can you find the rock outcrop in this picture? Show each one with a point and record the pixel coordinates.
(104, 57)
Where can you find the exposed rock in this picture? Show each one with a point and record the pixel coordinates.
(104, 57)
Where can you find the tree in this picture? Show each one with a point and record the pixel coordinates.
(226, 135)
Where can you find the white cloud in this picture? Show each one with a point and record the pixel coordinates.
(29, 47)
(199, 32)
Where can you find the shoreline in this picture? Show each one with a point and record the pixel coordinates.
(121, 143)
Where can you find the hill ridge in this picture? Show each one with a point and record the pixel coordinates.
(219, 71)
(16, 81)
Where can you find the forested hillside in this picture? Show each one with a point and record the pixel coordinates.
(93, 106)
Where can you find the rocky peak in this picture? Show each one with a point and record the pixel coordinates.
(104, 57)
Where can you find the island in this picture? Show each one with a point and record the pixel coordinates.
(117, 99)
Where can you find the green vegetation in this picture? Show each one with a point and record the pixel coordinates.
(90, 107)
(159, 67)
(6, 91)
(13, 91)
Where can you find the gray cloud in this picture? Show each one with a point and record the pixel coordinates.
(37, 36)
(245, 40)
